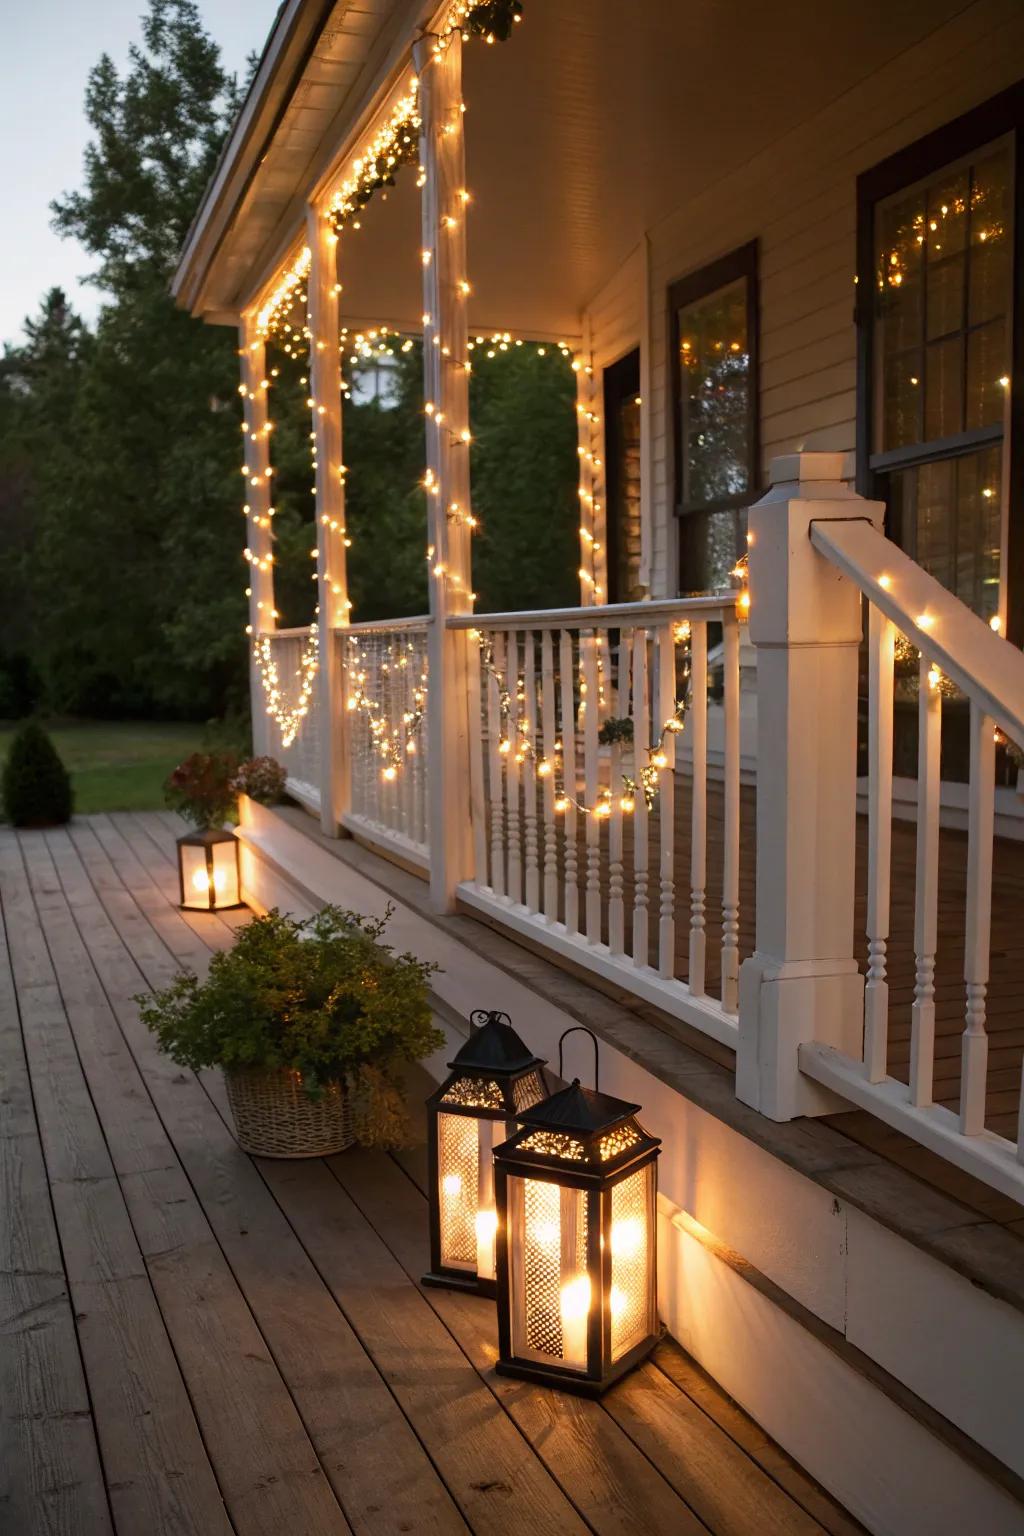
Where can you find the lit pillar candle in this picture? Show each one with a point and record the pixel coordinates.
(575, 1294)
(486, 1215)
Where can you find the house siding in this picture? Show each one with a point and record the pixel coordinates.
(797, 198)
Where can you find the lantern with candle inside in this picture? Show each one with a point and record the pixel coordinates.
(575, 1191)
(494, 1078)
(208, 869)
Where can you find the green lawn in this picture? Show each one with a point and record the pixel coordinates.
(120, 766)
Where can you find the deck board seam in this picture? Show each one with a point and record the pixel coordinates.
(8, 956)
(145, 985)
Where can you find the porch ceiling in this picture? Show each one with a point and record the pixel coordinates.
(594, 122)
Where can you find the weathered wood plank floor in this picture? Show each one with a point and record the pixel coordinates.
(192, 1341)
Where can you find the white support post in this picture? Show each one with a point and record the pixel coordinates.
(589, 439)
(802, 983)
(332, 584)
(446, 389)
(258, 513)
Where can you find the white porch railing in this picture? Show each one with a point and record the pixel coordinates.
(957, 650)
(589, 781)
(385, 685)
(298, 752)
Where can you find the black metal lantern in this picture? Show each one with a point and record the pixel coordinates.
(575, 1192)
(494, 1078)
(208, 870)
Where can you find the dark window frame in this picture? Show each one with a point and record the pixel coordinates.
(1002, 117)
(738, 265)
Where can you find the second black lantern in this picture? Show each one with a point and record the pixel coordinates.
(494, 1078)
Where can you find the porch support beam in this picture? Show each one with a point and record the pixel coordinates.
(258, 513)
(332, 581)
(590, 436)
(446, 391)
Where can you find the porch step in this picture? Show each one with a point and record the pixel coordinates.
(872, 1326)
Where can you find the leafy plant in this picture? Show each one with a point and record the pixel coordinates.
(202, 788)
(615, 729)
(261, 778)
(36, 787)
(323, 996)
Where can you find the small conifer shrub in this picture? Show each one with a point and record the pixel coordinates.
(36, 786)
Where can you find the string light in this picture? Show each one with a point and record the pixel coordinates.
(387, 740)
(287, 718)
(515, 738)
(396, 143)
(271, 317)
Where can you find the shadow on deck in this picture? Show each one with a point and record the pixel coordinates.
(196, 1341)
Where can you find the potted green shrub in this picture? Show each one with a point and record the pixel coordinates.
(311, 1022)
(36, 787)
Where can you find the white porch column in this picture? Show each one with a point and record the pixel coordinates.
(258, 513)
(446, 388)
(332, 582)
(802, 983)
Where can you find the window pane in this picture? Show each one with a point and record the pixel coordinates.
(714, 369)
(943, 279)
(986, 369)
(902, 400)
(943, 388)
(990, 238)
(710, 544)
(948, 515)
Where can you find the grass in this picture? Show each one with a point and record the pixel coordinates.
(120, 765)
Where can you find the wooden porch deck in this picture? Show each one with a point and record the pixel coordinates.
(192, 1341)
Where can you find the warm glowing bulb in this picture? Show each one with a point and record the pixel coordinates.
(996, 623)
(390, 772)
(627, 1237)
(924, 621)
(451, 1184)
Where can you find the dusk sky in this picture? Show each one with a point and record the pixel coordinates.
(49, 46)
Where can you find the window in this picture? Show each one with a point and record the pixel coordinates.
(713, 331)
(938, 231)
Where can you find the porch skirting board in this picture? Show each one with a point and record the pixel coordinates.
(806, 1308)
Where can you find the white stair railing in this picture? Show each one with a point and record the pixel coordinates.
(958, 653)
(591, 762)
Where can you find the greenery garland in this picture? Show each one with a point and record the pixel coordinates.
(493, 19)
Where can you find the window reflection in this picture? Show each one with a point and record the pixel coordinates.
(714, 370)
(948, 517)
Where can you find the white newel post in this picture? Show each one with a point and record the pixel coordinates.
(802, 983)
(332, 583)
(258, 511)
(446, 392)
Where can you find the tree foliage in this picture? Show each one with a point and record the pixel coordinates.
(36, 784)
(122, 587)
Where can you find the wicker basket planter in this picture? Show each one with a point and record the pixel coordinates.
(275, 1117)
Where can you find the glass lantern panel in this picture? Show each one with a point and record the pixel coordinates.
(632, 1269)
(528, 1090)
(549, 1282)
(457, 1178)
(225, 874)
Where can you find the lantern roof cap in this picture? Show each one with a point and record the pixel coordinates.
(583, 1110)
(494, 1047)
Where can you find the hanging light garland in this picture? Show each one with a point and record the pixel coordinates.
(387, 739)
(287, 718)
(395, 144)
(515, 739)
(492, 20)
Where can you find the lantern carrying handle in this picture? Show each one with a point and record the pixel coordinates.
(481, 1016)
(582, 1030)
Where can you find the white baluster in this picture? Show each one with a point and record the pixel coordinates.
(512, 737)
(731, 830)
(641, 744)
(881, 653)
(550, 734)
(527, 745)
(926, 885)
(476, 763)
(981, 810)
(495, 734)
(591, 725)
(698, 717)
(616, 911)
(567, 670)
(666, 800)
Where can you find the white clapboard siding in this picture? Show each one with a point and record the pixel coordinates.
(798, 199)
